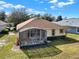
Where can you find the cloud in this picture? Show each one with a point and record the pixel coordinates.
(45, 8)
(1, 8)
(53, 1)
(19, 6)
(34, 11)
(2, 2)
(39, 12)
(52, 7)
(4, 5)
(9, 5)
(7, 13)
(41, 2)
(56, 3)
(61, 4)
(29, 10)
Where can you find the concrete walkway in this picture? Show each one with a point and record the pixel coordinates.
(15, 48)
(3, 42)
(11, 33)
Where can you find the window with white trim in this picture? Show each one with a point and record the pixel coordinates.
(53, 31)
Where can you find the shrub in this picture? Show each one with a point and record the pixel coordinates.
(5, 31)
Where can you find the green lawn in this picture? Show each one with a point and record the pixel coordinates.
(3, 36)
(41, 51)
(57, 49)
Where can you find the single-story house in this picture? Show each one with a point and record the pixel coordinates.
(3, 25)
(36, 30)
(72, 24)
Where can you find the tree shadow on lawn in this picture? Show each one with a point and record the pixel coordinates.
(40, 51)
(62, 40)
(47, 50)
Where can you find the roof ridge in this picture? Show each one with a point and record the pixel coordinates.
(25, 22)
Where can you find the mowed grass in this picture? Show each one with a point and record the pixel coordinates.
(66, 48)
(41, 51)
(74, 36)
(3, 36)
(6, 51)
(30, 53)
(69, 50)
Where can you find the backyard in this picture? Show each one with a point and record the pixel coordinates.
(66, 48)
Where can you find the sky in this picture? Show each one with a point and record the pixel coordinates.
(66, 8)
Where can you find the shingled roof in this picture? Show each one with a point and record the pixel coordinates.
(73, 22)
(39, 23)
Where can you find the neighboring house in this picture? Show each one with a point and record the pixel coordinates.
(3, 25)
(36, 30)
(72, 24)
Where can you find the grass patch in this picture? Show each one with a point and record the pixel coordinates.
(74, 36)
(58, 49)
(7, 53)
(66, 40)
(41, 51)
(3, 36)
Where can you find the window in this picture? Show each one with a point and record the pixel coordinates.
(28, 33)
(61, 30)
(33, 32)
(77, 29)
(38, 32)
(53, 31)
(43, 33)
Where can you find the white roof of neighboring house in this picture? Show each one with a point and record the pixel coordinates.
(2, 23)
(69, 22)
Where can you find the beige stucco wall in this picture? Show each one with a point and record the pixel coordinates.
(49, 33)
(57, 32)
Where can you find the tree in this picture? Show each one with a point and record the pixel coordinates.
(59, 18)
(17, 16)
(2, 15)
(35, 15)
(32, 15)
(48, 17)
